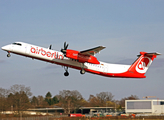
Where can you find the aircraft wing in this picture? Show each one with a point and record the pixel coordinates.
(93, 51)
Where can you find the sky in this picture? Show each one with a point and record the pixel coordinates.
(124, 27)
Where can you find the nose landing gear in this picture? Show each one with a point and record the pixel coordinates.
(8, 55)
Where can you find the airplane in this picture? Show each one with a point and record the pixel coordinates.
(85, 61)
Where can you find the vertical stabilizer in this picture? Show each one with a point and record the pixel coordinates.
(141, 65)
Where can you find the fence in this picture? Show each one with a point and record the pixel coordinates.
(33, 118)
(65, 117)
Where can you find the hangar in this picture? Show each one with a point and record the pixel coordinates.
(144, 106)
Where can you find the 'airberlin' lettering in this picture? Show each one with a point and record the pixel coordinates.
(46, 53)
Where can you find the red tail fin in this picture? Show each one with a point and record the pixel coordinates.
(141, 65)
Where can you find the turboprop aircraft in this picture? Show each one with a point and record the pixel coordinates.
(85, 61)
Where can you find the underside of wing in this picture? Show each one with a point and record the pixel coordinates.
(93, 51)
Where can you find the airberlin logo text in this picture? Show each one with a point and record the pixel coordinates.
(42, 52)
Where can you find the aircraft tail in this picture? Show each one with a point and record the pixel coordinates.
(141, 65)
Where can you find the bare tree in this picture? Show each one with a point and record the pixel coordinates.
(103, 97)
(3, 101)
(34, 101)
(132, 97)
(20, 88)
(19, 97)
(42, 102)
(40, 99)
(70, 100)
(93, 101)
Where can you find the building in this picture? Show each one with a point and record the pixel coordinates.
(83, 110)
(144, 106)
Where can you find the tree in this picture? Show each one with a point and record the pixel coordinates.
(48, 95)
(3, 102)
(76, 100)
(41, 102)
(55, 100)
(122, 101)
(103, 97)
(34, 101)
(40, 99)
(133, 97)
(70, 100)
(93, 101)
(19, 101)
(20, 88)
(18, 97)
(48, 99)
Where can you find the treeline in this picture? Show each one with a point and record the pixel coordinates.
(19, 98)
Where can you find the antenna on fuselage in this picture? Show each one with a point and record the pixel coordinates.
(50, 47)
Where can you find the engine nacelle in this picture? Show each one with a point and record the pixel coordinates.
(73, 54)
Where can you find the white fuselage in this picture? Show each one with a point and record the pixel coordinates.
(56, 57)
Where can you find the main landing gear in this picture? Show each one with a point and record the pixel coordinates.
(8, 55)
(66, 71)
(82, 71)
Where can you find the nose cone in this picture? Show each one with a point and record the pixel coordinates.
(6, 48)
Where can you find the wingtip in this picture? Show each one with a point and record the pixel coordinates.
(102, 47)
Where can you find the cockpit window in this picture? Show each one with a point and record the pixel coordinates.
(17, 44)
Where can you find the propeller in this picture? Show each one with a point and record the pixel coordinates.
(65, 48)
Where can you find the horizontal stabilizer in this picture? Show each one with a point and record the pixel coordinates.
(149, 54)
